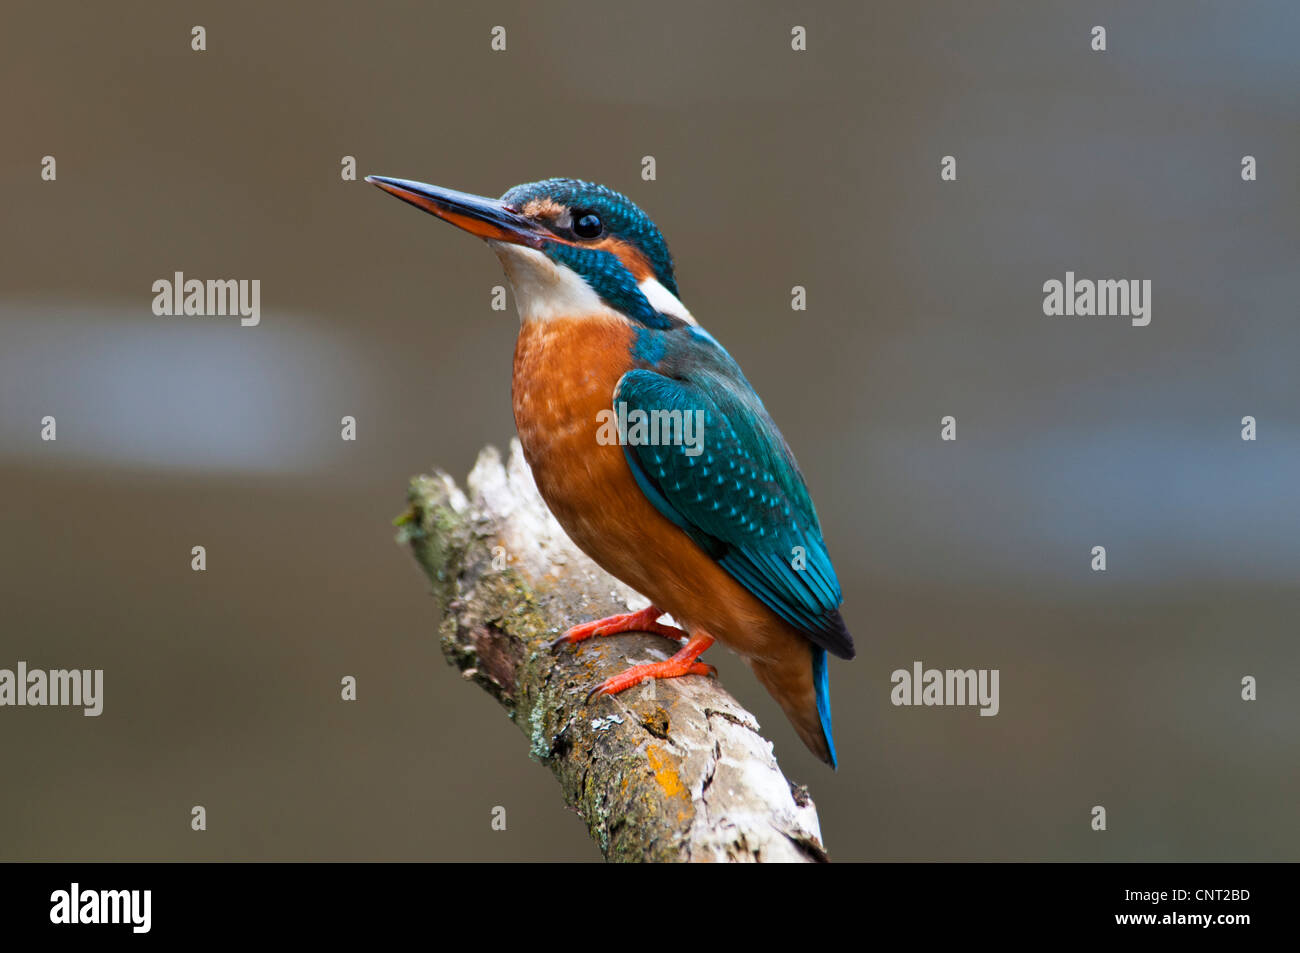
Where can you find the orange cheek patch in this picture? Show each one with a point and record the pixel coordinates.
(631, 257)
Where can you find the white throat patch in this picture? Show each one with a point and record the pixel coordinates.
(545, 289)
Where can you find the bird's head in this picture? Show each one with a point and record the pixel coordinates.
(570, 248)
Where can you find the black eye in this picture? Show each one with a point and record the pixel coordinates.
(587, 225)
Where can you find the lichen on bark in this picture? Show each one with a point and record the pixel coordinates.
(672, 770)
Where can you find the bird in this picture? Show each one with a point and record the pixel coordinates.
(652, 450)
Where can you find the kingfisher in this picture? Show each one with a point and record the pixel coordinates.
(651, 448)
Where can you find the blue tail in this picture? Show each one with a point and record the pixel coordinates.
(822, 680)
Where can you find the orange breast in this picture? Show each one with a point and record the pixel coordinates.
(564, 376)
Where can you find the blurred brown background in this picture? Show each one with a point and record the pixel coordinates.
(775, 168)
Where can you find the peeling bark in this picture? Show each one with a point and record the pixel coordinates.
(673, 770)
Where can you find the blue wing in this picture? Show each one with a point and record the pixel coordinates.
(737, 492)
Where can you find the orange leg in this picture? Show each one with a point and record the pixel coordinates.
(643, 621)
(683, 663)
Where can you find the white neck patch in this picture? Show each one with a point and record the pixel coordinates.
(663, 300)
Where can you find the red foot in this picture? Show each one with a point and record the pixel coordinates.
(643, 621)
(683, 663)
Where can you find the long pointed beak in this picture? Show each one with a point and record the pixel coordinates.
(484, 217)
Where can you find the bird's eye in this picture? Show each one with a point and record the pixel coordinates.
(587, 225)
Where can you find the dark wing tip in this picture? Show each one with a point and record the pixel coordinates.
(836, 638)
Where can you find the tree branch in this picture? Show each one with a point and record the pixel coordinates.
(673, 770)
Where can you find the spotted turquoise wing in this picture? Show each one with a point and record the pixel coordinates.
(737, 492)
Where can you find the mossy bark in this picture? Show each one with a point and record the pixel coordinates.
(673, 770)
